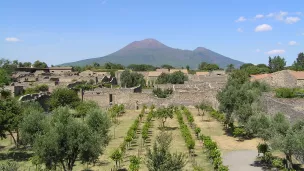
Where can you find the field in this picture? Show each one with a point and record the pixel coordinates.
(208, 125)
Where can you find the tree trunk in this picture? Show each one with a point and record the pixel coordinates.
(63, 166)
(18, 140)
(15, 142)
(289, 161)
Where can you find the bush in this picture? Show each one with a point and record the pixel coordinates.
(174, 78)
(239, 132)
(285, 93)
(37, 89)
(185, 131)
(162, 93)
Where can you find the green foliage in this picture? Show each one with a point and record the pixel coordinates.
(147, 125)
(110, 65)
(39, 64)
(238, 97)
(277, 163)
(164, 113)
(141, 67)
(190, 143)
(166, 66)
(132, 79)
(276, 63)
(80, 140)
(116, 156)
(37, 89)
(298, 64)
(10, 118)
(255, 69)
(9, 166)
(64, 97)
(159, 157)
(289, 92)
(5, 93)
(4, 77)
(219, 116)
(83, 107)
(213, 153)
(197, 131)
(230, 68)
(174, 78)
(134, 163)
(204, 66)
(263, 148)
(32, 125)
(239, 132)
(158, 92)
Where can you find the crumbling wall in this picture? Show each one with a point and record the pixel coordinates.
(292, 108)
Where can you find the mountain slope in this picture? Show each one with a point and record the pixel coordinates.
(150, 51)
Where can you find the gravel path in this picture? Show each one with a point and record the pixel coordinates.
(241, 160)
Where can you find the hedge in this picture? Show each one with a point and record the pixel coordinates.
(213, 153)
(185, 131)
(219, 116)
(147, 125)
(289, 92)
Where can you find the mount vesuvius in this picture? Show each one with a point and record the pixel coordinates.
(153, 52)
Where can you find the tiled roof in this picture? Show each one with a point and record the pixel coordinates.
(299, 75)
(259, 76)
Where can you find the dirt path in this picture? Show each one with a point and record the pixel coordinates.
(241, 160)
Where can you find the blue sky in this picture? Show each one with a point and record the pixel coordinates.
(58, 31)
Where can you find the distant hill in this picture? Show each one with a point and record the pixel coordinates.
(153, 52)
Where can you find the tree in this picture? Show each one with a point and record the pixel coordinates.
(230, 68)
(188, 67)
(246, 65)
(95, 64)
(65, 139)
(276, 63)
(298, 64)
(27, 64)
(4, 78)
(163, 114)
(134, 163)
(132, 79)
(208, 67)
(159, 157)
(166, 66)
(117, 157)
(32, 123)
(38, 64)
(10, 118)
(85, 106)
(63, 97)
(178, 78)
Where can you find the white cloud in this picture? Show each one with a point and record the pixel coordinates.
(258, 50)
(275, 52)
(291, 20)
(298, 13)
(240, 30)
(259, 16)
(292, 43)
(263, 27)
(12, 39)
(241, 19)
(278, 15)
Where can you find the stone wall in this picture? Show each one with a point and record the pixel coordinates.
(281, 79)
(292, 108)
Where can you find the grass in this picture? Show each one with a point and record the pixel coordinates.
(209, 126)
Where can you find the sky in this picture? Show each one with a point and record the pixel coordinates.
(59, 31)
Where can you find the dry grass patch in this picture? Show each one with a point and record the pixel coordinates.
(213, 128)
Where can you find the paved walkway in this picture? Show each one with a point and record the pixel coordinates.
(241, 160)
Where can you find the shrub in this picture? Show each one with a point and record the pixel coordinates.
(285, 93)
(162, 93)
(37, 89)
(239, 132)
(174, 78)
